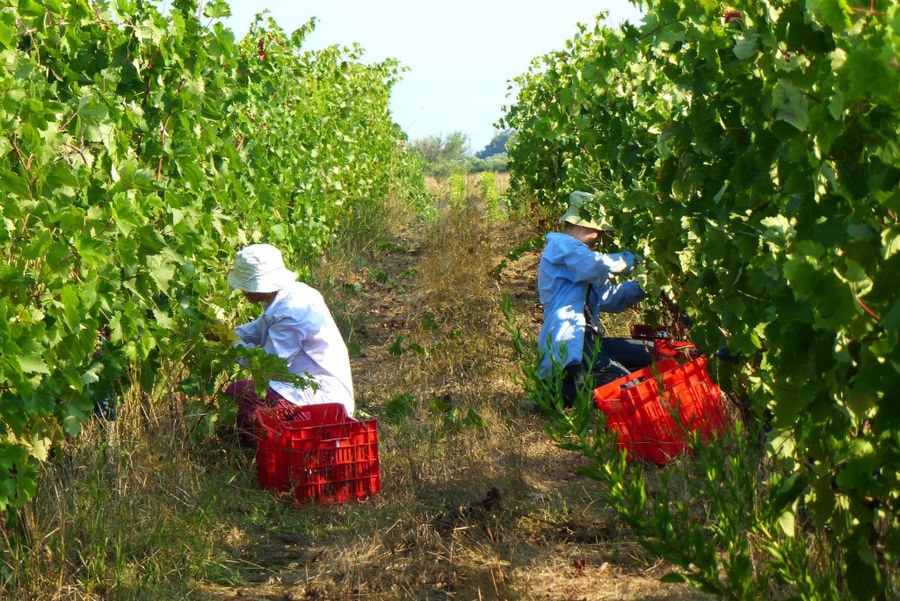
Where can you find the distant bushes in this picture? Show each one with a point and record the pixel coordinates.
(444, 155)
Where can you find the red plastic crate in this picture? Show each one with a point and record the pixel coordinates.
(318, 453)
(655, 410)
(664, 346)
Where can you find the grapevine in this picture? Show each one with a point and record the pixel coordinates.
(752, 149)
(138, 152)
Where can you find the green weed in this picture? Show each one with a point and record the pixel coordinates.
(490, 194)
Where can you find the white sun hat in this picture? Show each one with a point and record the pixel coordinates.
(600, 222)
(260, 268)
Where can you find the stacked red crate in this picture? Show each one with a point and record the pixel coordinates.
(655, 411)
(318, 453)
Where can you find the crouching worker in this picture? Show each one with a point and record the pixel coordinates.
(295, 325)
(574, 287)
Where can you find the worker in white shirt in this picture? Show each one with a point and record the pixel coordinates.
(295, 325)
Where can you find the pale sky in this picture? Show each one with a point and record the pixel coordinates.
(460, 54)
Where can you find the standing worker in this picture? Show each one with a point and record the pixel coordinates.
(295, 325)
(574, 288)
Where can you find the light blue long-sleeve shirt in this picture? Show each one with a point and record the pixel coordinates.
(570, 274)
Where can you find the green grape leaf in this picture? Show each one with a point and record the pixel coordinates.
(32, 363)
(14, 184)
(746, 45)
(790, 104)
(787, 523)
(891, 319)
(831, 13)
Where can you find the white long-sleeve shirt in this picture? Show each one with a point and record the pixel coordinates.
(298, 327)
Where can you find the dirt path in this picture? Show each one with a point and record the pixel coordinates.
(476, 501)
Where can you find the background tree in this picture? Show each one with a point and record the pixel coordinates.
(497, 145)
(443, 155)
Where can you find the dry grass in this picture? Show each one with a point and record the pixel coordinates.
(488, 509)
(477, 503)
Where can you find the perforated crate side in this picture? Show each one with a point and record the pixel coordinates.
(338, 469)
(280, 430)
(653, 410)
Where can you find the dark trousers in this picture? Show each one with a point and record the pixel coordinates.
(615, 358)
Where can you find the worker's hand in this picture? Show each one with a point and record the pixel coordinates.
(623, 262)
(218, 332)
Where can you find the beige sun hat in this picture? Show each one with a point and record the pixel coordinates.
(573, 215)
(260, 268)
